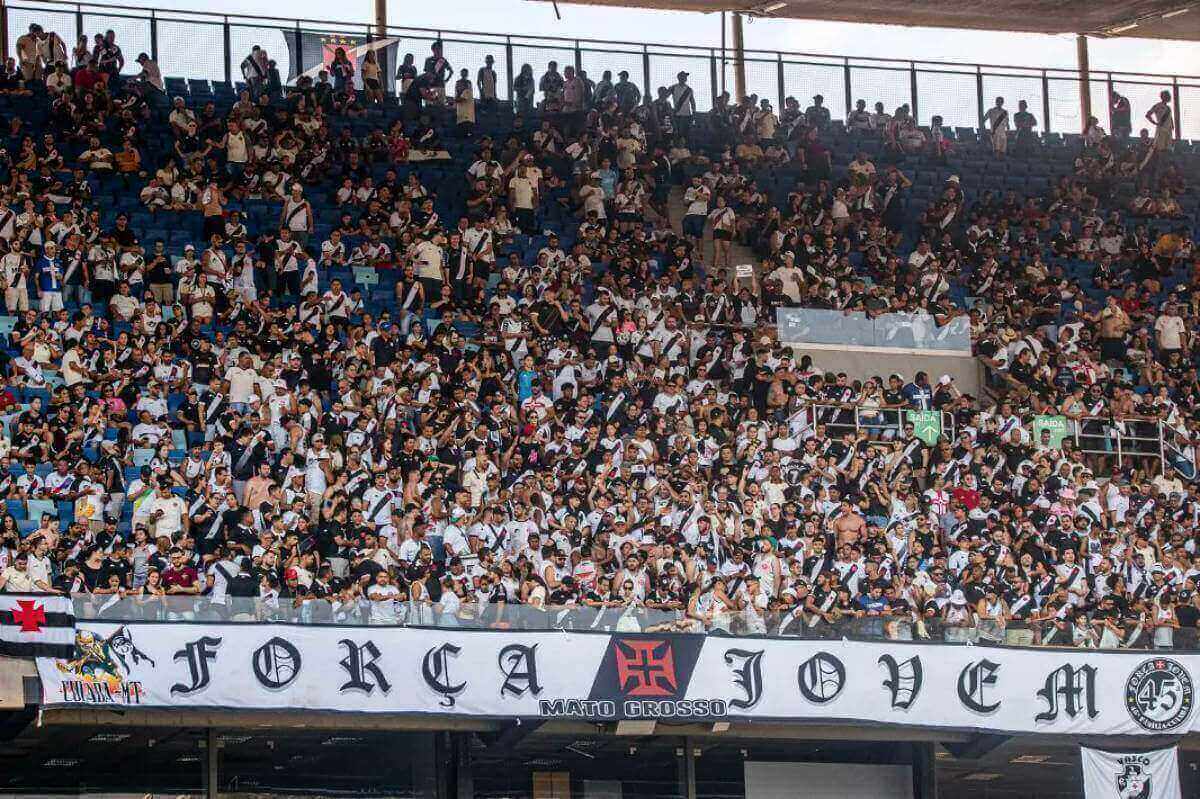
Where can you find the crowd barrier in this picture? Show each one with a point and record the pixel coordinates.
(579, 618)
(1122, 442)
(800, 326)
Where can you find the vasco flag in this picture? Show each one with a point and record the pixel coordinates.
(1130, 775)
(310, 52)
(37, 625)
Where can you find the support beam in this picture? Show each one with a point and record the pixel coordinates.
(1085, 85)
(739, 59)
(979, 745)
(381, 18)
(211, 776)
(687, 770)
(509, 738)
(724, 49)
(4, 30)
(924, 771)
(429, 766)
(464, 780)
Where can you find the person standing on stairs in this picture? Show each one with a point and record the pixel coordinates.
(724, 223)
(696, 198)
(660, 171)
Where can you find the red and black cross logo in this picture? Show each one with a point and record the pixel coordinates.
(646, 667)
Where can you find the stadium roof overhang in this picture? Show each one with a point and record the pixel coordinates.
(1156, 19)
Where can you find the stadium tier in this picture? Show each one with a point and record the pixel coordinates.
(320, 347)
(375, 379)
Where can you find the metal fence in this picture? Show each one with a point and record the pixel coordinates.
(880, 423)
(1120, 442)
(637, 618)
(207, 46)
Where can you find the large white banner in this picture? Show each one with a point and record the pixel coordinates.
(1130, 775)
(602, 676)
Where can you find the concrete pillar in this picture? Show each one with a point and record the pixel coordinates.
(1085, 85)
(13, 672)
(924, 771)
(381, 18)
(428, 770)
(687, 771)
(739, 59)
(464, 780)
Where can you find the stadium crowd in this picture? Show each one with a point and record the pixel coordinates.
(603, 419)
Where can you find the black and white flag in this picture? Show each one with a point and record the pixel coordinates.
(37, 625)
(1130, 775)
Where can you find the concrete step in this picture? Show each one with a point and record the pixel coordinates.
(738, 253)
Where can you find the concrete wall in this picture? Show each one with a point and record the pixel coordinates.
(13, 672)
(827, 781)
(859, 364)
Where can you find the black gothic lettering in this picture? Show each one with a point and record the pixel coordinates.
(518, 664)
(821, 678)
(904, 680)
(973, 682)
(747, 675)
(276, 663)
(1069, 690)
(436, 670)
(197, 654)
(360, 664)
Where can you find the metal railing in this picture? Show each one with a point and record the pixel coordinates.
(210, 46)
(1120, 439)
(876, 422)
(1093, 436)
(632, 618)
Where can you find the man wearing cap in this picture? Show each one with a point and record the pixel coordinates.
(958, 619)
(377, 501)
(150, 76)
(318, 473)
(628, 95)
(683, 105)
(167, 513)
(591, 194)
(50, 279)
(817, 114)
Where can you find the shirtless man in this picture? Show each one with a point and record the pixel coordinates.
(1114, 324)
(849, 525)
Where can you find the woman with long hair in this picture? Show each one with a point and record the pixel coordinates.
(372, 75)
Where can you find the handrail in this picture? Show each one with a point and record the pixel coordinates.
(291, 23)
(1161, 445)
(893, 418)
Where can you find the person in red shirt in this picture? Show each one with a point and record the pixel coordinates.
(967, 494)
(88, 77)
(180, 577)
(7, 398)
